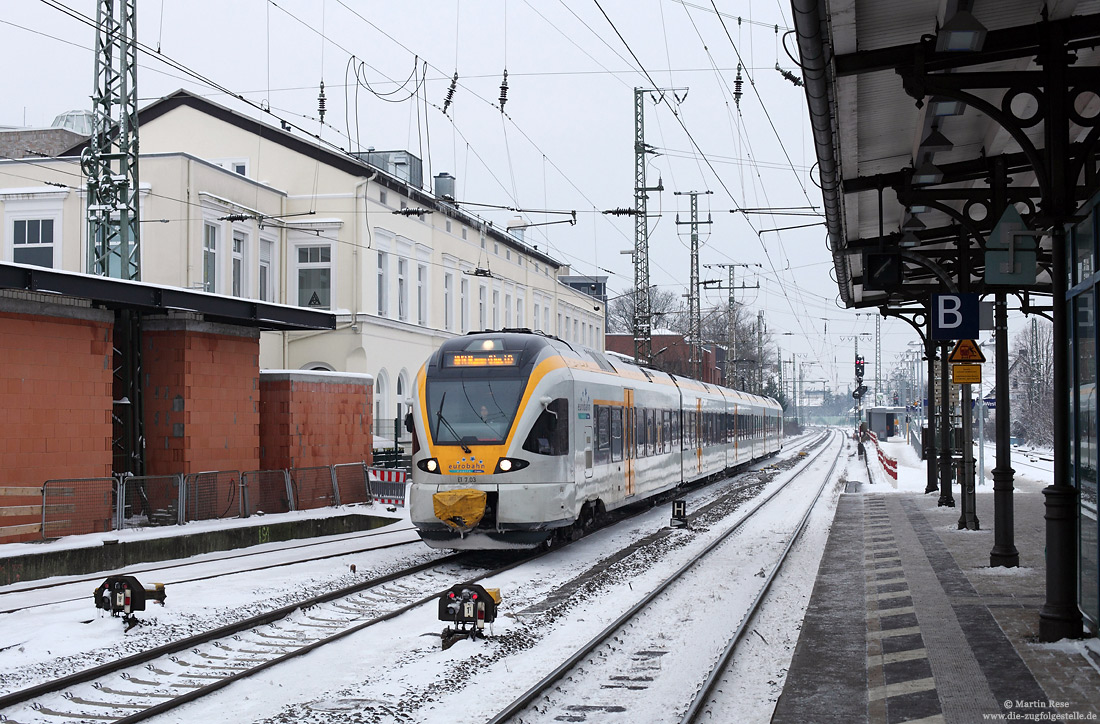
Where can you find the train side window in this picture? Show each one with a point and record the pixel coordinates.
(603, 434)
(650, 432)
(550, 433)
(616, 433)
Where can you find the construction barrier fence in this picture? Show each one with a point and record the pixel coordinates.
(95, 505)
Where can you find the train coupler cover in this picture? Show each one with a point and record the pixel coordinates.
(460, 509)
(468, 607)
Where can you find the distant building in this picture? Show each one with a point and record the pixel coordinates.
(671, 354)
(67, 130)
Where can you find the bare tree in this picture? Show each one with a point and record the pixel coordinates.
(1031, 375)
(663, 304)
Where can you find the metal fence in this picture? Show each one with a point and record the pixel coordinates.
(352, 483)
(149, 500)
(77, 505)
(93, 505)
(314, 488)
(211, 495)
(266, 491)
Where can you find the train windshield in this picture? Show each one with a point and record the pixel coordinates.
(472, 411)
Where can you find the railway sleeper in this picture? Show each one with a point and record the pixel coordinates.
(146, 694)
(72, 715)
(104, 704)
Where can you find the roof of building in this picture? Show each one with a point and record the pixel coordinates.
(332, 156)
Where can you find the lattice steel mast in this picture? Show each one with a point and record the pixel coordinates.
(111, 158)
(695, 327)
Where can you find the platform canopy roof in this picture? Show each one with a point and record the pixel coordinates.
(931, 117)
(143, 298)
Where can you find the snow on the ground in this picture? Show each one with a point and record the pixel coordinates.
(394, 661)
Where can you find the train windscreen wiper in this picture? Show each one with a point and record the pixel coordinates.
(443, 420)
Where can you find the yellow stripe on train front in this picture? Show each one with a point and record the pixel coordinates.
(460, 509)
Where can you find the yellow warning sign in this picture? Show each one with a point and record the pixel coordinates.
(966, 350)
(966, 374)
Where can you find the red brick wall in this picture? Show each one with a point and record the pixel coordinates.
(55, 399)
(201, 397)
(314, 418)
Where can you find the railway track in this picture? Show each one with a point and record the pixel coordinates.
(143, 685)
(597, 679)
(155, 681)
(13, 597)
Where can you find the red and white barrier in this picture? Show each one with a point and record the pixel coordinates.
(889, 464)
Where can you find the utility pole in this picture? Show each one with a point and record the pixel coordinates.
(695, 332)
(643, 319)
(111, 164)
(111, 159)
(760, 352)
(731, 317)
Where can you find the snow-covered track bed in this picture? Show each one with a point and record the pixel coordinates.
(660, 654)
(24, 596)
(144, 684)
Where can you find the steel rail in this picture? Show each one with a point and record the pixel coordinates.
(697, 705)
(550, 679)
(124, 572)
(95, 672)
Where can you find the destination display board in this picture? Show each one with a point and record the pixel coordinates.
(495, 358)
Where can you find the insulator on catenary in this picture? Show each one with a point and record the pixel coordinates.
(321, 103)
(737, 88)
(504, 91)
(450, 93)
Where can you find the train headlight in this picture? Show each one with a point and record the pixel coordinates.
(510, 465)
(429, 465)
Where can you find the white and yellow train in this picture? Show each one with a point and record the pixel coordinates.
(520, 438)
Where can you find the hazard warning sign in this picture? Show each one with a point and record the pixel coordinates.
(966, 350)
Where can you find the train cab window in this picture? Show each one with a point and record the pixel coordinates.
(616, 433)
(550, 433)
(603, 434)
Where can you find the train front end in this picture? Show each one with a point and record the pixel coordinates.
(492, 464)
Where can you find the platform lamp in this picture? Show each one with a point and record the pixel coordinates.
(962, 33)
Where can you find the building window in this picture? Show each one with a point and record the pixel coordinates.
(496, 309)
(315, 276)
(382, 196)
(402, 289)
(536, 324)
(463, 233)
(546, 318)
(210, 258)
(267, 271)
(240, 264)
(536, 267)
(496, 248)
(383, 286)
(519, 312)
(508, 254)
(448, 224)
(481, 307)
(463, 305)
(32, 242)
(507, 310)
(448, 302)
(421, 295)
(560, 330)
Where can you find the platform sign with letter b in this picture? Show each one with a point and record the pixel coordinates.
(954, 316)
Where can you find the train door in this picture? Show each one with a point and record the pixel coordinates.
(588, 452)
(628, 440)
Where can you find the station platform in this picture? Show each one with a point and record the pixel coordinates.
(908, 623)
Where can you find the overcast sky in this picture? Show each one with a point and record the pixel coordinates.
(566, 142)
